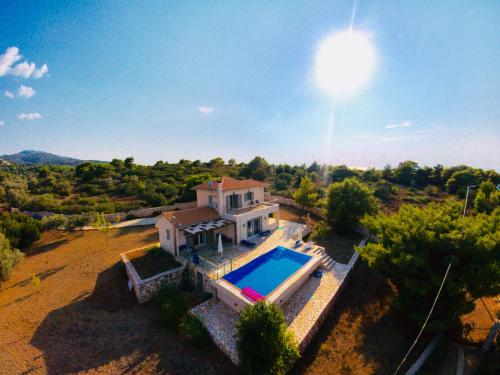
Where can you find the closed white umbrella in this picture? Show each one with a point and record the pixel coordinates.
(220, 249)
(300, 235)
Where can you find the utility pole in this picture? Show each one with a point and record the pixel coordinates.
(467, 198)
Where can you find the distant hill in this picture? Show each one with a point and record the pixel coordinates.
(40, 157)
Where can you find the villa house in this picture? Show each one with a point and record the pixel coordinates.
(234, 209)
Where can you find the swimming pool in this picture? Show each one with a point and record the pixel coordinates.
(266, 272)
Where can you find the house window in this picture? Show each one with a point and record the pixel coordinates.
(233, 202)
(168, 235)
(249, 196)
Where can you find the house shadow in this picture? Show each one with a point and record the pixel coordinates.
(365, 297)
(107, 327)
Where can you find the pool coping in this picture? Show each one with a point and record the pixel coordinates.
(232, 296)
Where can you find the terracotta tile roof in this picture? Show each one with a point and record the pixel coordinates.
(229, 183)
(191, 216)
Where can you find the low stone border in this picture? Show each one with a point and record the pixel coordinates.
(145, 289)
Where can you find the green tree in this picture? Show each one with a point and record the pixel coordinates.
(307, 193)
(102, 225)
(458, 181)
(341, 172)
(487, 197)
(265, 346)
(259, 174)
(314, 167)
(405, 172)
(349, 201)
(257, 163)
(129, 162)
(414, 247)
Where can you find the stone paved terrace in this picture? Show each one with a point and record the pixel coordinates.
(304, 311)
(285, 235)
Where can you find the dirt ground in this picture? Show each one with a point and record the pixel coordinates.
(83, 319)
(361, 334)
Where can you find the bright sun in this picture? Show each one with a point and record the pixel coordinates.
(344, 62)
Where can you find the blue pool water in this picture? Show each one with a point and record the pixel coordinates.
(268, 271)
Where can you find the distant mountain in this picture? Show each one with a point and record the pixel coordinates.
(40, 157)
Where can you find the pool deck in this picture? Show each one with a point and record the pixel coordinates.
(304, 311)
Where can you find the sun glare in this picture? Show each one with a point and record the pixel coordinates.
(344, 62)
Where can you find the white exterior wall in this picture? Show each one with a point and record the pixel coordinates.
(167, 244)
(177, 237)
(267, 223)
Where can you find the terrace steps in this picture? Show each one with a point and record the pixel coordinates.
(326, 259)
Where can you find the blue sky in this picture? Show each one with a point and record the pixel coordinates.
(169, 80)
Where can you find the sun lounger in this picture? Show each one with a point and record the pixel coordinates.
(297, 244)
(252, 294)
(248, 243)
(308, 245)
(265, 233)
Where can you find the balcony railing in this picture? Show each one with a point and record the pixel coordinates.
(251, 207)
(212, 270)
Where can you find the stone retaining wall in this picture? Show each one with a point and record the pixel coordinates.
(145, 289)
(121, 216)
(310, 335)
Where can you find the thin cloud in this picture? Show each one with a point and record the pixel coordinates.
(404, 124)
(376, 137)
(9, 66)
(25, 91)
(29, 116)
(9, 94)
(205, 110)
(2, 123)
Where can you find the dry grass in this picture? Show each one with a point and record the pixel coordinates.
(361, 335)
(83, 319)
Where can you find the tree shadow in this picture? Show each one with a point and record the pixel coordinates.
(109, 328)
(40, 249)
(118, 232)
(41, 275)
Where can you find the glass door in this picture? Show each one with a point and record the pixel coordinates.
(254, 227)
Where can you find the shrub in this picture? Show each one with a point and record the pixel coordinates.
(20, 230)
(320, 231)
(431, 190)
(54, 222)
(384, 190)
(9, 258)
(193, 330)
(172, 306)
(265, 346)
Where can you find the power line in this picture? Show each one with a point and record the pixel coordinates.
(426, 320)
(437, 295)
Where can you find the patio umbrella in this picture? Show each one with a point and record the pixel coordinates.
(300, 235)
(219, 247)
